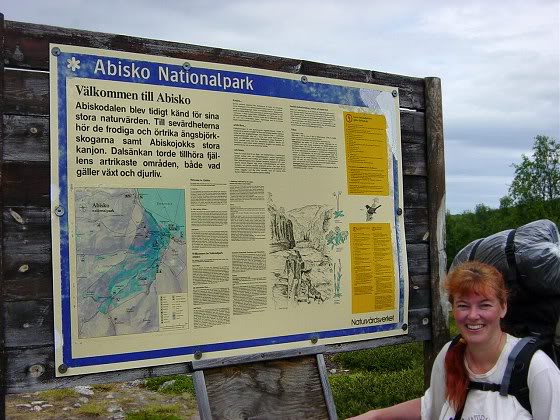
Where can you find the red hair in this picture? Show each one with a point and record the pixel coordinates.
(469, 277)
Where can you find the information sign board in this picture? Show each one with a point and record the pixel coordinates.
(215, 210)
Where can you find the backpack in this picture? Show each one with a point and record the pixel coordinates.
(514, 381)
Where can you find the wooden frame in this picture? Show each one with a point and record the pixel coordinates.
(25, 267)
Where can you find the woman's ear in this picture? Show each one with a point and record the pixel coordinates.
(504, 310)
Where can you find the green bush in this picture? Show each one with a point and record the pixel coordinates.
(362, 391)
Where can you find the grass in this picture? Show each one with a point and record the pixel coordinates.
(182, 384)
(58, 394)
(92, 409)
(156, 412)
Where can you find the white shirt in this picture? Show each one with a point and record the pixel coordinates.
(544, 391)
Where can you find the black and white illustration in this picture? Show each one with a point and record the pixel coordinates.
(301, 244)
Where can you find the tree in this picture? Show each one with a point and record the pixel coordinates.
(537, 177)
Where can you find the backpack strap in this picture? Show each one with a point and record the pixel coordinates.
(474, 248)
(514, 381)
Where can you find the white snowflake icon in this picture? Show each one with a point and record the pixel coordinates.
(73, 64)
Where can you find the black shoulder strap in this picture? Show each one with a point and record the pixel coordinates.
(517, 370)
(472, 254)
(510, 250)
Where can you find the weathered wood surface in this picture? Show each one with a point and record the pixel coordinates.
(277, 389)
(27, 46)
(3, 376)
(436, 219)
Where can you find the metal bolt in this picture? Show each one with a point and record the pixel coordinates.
(399, 211)
(404, 327)
(63, 368)
(56, 51)
(36, 370)
(425, 321)
(198, 355)
(59, 211)
(33, 130)
(186, 66)
(314, 339)
(395, 93)
(303, 79)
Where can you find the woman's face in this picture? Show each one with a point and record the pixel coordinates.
(478, 317)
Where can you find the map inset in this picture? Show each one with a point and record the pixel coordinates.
(130, 249)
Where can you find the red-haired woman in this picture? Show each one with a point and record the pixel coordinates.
(479, 301)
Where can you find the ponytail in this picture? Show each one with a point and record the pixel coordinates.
(457, 377)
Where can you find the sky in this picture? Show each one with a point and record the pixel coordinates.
(498, 61)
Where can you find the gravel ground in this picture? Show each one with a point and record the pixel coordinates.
(110, 401)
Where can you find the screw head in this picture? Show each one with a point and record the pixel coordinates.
(198, 355)
(36, 370)
(404, 327)
(303, 79)
(399, 211)
(63, 368)
(56, 51)
(59, 211)
(395, 93)
(314, 339)
(33, 130)
(186, 66)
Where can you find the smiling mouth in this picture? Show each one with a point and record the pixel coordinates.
(474, 327)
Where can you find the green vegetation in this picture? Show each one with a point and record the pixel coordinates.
(157, 412)
(92, 409)
(103, 387)
(58, 394)
(379, 378)
(182, 384)
(537, 177)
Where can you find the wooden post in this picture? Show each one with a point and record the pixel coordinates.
(2, 288)
(436, 221)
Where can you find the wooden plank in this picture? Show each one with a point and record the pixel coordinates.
(3, 377)
(413, 127)
(436, 215)
(27, 276)
(33, 369)
(26, 139)
(277, 389)
(29, 323)
(26, 92)
(27, 46)
(26, 184)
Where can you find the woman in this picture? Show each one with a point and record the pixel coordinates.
(479, 301)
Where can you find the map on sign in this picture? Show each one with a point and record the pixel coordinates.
(130, 251)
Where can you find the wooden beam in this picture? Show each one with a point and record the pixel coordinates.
(436, 221)
(3, 363)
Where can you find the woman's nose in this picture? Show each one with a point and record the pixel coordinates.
(473, 313)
